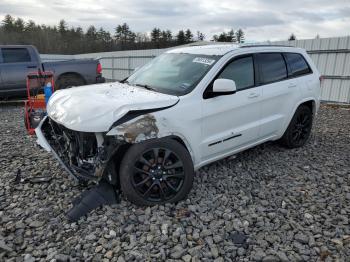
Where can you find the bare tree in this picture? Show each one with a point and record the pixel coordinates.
(200, 36)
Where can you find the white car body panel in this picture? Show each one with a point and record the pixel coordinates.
(95, 108)
(210, 128)
(233, 120)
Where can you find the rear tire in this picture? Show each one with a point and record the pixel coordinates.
(299, 129)
(157, 171)
(69, 80)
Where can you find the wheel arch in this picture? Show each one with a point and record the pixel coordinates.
(310, 102)
(181, 139)
(75, 74)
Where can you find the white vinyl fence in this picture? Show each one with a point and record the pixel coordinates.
(331, 56)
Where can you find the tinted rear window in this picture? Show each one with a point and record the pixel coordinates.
(272, 67)
(15, 55)
(298, 65)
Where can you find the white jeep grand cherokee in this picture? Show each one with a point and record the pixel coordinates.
(185, 109)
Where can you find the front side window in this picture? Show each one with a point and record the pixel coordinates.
(297, 64)
(15, 55)
(241, 71)
(173, 73)
(272, 67)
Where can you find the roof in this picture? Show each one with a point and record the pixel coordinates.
(222, 49)
(206, 49)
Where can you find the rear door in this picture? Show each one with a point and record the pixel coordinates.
(299, 68)
(16, 64)
(280, 93)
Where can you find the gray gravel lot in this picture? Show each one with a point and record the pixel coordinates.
(292, 205)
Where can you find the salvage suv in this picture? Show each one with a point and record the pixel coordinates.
(185, 109)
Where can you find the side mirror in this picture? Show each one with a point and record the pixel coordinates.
(224, 86)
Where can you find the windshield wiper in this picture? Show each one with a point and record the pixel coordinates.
(146, 87)
(124, 81)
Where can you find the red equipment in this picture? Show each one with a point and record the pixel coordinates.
(35, 106)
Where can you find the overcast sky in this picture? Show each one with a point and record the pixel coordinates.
(260, 19)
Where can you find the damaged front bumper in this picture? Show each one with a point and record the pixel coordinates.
(85, 156)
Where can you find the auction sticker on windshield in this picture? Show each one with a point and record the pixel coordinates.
(203, 60)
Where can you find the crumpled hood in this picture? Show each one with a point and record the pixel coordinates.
(95, 108)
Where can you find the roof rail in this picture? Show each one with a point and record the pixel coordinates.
(264, 45)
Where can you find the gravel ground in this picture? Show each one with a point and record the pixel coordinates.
(291, 205)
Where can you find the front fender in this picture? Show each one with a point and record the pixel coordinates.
(136, 130)
(145, 127)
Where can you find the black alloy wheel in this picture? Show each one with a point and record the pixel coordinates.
(156, 172)
(299, 129)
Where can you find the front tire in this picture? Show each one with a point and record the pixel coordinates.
(299, 129)
(157, 171)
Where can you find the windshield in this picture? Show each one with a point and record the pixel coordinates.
(173, 73)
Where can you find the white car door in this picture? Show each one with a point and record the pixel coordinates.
(231, 121)
(280, 93)
(299, 68)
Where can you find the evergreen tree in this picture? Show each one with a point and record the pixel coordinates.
(61, 39)
(169, 35)
(240, 36)
(220, 38)
(166, 36)
(79, 31)
(188, 36)
(292, 37)
(231, 36)
(91, 33)
(104, 36)
(19, 25)
(62, 27)
(8, 23)
(30, 26)
(180, 37)
(155, 35)
(123, 34)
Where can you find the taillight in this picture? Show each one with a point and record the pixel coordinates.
(99, 68)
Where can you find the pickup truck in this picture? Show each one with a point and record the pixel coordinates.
(16, 61)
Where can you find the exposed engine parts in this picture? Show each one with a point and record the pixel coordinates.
(86, 155)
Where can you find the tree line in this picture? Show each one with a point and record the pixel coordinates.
(62, 39)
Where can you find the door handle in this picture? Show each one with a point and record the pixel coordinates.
(253, 95)
(31, 66)
(292, 85)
